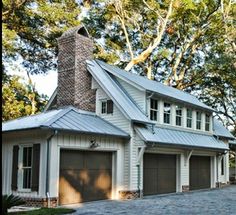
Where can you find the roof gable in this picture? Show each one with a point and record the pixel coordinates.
(154, 86)
(114, 91)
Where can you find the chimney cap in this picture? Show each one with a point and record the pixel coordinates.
(81, 29)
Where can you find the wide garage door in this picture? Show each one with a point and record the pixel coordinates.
(84, 176)
(159, 174)
(199, 172)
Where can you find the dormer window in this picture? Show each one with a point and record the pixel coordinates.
(167, 113)
(178, 117)
(106, 106)
(189, 118)
(153, 109)
(207, 122)
(199, 120)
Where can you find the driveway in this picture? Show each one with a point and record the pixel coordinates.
(217, 201)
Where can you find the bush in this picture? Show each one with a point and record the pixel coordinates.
(9, 201)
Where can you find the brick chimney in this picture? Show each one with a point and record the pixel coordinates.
(74, 81)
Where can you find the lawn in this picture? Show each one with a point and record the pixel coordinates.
(48, 211)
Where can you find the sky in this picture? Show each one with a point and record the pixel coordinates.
(44, 83)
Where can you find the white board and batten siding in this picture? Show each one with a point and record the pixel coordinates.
(82, 142)
(21, 139)
(116, 118)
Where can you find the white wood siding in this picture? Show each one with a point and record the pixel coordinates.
(8, 141)
(137, 95)
(117, 118)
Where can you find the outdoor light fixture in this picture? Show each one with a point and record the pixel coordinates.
(93, 144)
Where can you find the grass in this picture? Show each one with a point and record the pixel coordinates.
(48, 211)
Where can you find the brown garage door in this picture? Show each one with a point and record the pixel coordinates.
(84, 176)
(159, 174)
(199, 172)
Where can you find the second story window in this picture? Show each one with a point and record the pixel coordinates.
(153, 109)
(178, 117)
(189, 118)
(106, 106)
(167, 113)
(207, 122)
(199, 120)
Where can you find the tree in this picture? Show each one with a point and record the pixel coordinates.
(177, 42)
(19, 99)
(30, 29)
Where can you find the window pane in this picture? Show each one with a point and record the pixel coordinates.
(189, 123)
(199, 118)
(153, 115)
(167, 113)
(104, 105)
(178, 113)
(25, 153)
(189, 113)
(27, 178)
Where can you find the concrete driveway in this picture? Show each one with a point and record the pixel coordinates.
(217, 201)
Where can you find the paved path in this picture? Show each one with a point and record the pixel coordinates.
(217, 202)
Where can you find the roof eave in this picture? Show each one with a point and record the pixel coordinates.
(67, 130)
(186, 146)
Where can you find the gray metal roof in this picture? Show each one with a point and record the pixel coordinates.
(172, 137)
(68, 119)
(153, 86)
(119, 97)
(220, 130)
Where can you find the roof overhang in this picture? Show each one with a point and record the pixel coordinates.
(48, 128)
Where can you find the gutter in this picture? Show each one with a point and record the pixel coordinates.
(48, 166)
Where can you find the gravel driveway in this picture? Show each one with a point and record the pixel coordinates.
(217, 201)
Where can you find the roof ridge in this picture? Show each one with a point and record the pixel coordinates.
(168, 90)
(143, 77)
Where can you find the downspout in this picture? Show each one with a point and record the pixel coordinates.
(140, 155)
(47, 167)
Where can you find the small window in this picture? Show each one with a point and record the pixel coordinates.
(107, 107)
(153, 109)
(167, 113)
(222, 166)
(189, 118)
(199, 120)
(27, 167)
(178, 117)
(207, 122)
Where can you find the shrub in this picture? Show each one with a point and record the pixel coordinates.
(9, 201)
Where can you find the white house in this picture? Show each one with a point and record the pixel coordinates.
(110, 134)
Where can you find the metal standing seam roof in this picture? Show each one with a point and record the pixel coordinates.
(68, 119)
(119, 97)
(220, 130)
(153, 86)
(181, 138)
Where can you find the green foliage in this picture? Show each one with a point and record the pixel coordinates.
(196, 52)
(30, 29)
(48, 211)
(9, 201)
(19, 99)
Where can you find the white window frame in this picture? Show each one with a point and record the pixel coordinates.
(198, 120)
(20, 180)
(167, 113)
(104, 101)
(153, 109)
(180, 116)
(189, 118)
